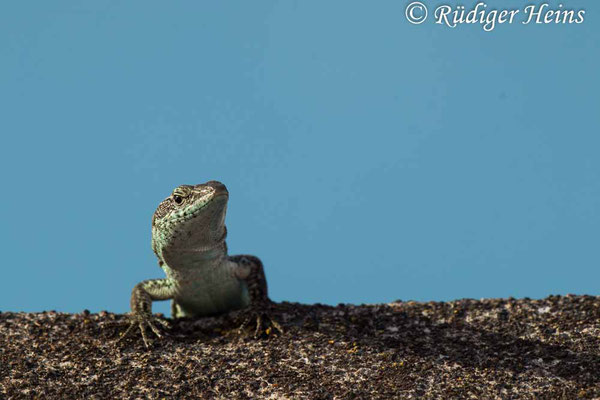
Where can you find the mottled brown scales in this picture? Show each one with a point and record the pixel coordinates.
(256, 281)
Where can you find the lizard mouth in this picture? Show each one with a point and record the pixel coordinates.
(193, 212)
(219, 195)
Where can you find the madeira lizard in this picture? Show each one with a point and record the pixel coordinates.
(188, 237)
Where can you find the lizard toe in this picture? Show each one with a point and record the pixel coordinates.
(259, 315)
(143, 321)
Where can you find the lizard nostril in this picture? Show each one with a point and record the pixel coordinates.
(218, 186)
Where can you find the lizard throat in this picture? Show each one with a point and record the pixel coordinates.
(184, 257)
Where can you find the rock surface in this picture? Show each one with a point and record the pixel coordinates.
(479, 349)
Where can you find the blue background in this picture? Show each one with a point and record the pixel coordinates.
(368, 159)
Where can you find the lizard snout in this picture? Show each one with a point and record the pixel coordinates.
(218, 186)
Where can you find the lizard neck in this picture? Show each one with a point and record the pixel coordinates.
(196, 257)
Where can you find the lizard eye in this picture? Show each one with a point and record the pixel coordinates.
(178, 199)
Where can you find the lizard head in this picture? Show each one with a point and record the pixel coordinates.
(192, 219)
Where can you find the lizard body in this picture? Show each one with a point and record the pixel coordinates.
(188, 238)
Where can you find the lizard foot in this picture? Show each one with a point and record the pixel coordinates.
(259, 313)
(142, 321)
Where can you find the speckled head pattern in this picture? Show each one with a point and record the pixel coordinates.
(192, 218)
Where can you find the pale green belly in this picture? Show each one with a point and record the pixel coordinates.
(209, 293)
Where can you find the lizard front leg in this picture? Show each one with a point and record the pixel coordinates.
(142, 296)
(250, 270)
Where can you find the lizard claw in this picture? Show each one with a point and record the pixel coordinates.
(259, 313)
(143, 321)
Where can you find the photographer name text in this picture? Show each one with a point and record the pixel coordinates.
(489, 19)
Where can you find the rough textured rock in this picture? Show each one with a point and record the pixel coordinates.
(496, 348)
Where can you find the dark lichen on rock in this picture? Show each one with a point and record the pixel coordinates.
(491, 348)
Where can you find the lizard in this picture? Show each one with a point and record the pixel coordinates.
(188, 238)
